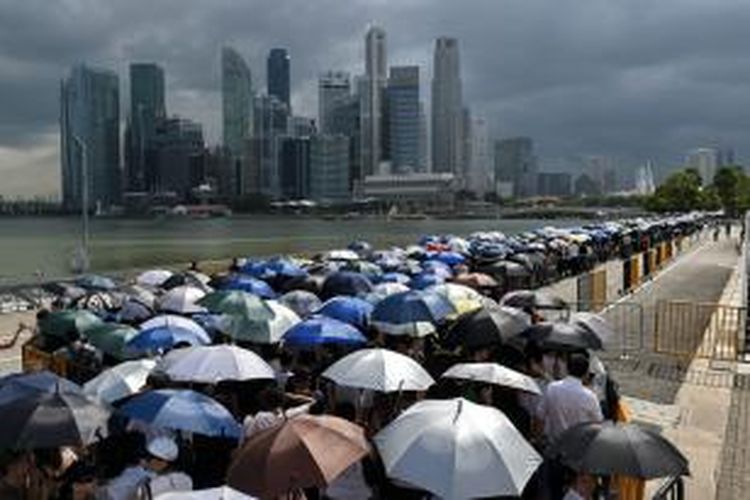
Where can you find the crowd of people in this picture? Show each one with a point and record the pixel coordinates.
(134, 459)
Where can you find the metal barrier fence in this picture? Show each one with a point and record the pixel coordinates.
(700, 330)
(672, 489)
(625, 318)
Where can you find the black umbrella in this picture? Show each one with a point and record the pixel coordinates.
(563, 336)
(595, 324)
(345, 283)
(487, 326)
(44, 419)
(21, 385)
(532, 299)
(610, 448)
(312, 283)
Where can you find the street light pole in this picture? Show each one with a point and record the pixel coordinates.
(84, 251)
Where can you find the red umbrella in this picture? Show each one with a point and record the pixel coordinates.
(305, 451)
(476, 280)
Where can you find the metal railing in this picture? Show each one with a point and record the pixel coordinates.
(672, 489)
(699, 330)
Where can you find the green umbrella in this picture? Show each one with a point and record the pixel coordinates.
(67, 324)
(260, 331)
(111, 338)
(237, 303)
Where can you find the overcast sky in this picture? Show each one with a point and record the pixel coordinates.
(633, 79)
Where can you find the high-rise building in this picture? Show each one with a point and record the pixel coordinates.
(147, 110)
(403, 118)
(603, 171)
(302, 126)
(90, 136)
(424, 138)
(481, 176)
(334, 93)
(447, 108)
(706, 161)
(329, 168)
(554, 184)
(294, 167)
(179, 156)
(371, 101)
(515, 163)
(277, 74)
(466, 148)
(271, 123)
(644, 179)
(236, 101)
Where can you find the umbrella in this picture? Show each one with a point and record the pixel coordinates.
(305, 451)
(134, 310)
(21, 385)
(345, 283)
(425, 280)
(476, 280)
(437, 267)
(345, 255)
(447, 448)
(312, 283)
(362, 248)
(319, 330)
(595, 324)
(182, 300)
(68, 324)
(212, 364)
(487, 327)
(164, 332)
(111, 339)
(220, 493)
(188, 278)
(236, 303)
(302, 302)
(563, 336)
(96, 301)
(531, 299)
(411, 313)
(96, 282)
(379, 370)
(607, 448)
(120, 381)
(383, 290)
(493, 373)
(350, 310)
(49, 419)
(67, 290)
(449, 258)
(182, 410)
(463, 298)
(139, 293)
(285, 268)
(260, 331)
(250, 285)
(395, 277)
(153, 278)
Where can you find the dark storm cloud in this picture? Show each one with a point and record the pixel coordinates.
(632, 78)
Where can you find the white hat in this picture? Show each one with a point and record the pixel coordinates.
(163, 448)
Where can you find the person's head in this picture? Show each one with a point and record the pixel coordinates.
(161, 452)
(578, 365)
(271, 399)
(345, 410)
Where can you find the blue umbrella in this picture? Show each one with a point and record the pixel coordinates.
(437, 267)
(165, 335)
(346, 283)
(285, 268)
(96, 282)
(361, 247)
(302, 302)
(351, 310)
(426, 279)
(320, 330)
(257, 269)
(395, 278)
(182, 410)
(412, 313)
(449, 258)
(21, 385)
(250, 285)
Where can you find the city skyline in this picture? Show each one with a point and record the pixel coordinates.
(519, 92)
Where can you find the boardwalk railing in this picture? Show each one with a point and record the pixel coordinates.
(699, 330)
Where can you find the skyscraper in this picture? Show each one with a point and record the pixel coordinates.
(277, 74)
(179, 156)
(90, 134)
(329, 167)
(294, 167)
(515, 163)
(481, 172)
(447, 108)
(147, 109)
(706, 161)
(371, 101)
(403, 118)
(334, 93)
(236, 101)
(271, 123)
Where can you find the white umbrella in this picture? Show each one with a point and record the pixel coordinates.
(379, 370)
(182, 300)
(456, 293)
(457, 449)
(493, 373)
(212, 364)
(261, 331)
(220, 493)
(383, 290)
(153, 278)
(120, 381)
(347, 255)
(171, 320)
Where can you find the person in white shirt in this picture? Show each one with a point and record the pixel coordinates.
(568, 402)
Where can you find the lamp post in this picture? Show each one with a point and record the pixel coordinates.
(83, 252)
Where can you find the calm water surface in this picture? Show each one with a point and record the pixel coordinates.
(28, 245)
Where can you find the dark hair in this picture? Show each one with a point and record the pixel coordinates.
(345, 410)
(578, 365)
(271, 398)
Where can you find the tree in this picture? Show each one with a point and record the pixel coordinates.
(680, 192)
(731, 186)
